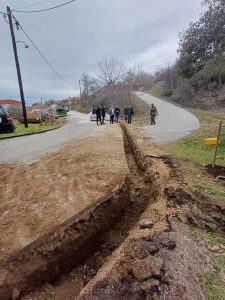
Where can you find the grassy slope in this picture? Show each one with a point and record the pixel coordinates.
(213, 281)
(193, 146)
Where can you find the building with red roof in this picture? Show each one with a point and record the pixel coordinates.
(9, 102)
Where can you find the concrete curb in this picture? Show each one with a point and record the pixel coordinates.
(31, 133)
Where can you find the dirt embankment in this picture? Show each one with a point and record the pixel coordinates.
(36, 197)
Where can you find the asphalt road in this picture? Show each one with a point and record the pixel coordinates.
(30, 148)
(172, 122)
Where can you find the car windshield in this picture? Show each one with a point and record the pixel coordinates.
(93, 111)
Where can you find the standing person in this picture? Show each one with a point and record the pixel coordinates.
(98, 115)
(117, 113)
(130, 114)
(111, 113)
(153, 112)
(103, 113)
(125, 111)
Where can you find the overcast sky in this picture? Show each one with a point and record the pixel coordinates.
(74, 38)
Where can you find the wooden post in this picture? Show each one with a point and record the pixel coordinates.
(217, 143)
(17, 67)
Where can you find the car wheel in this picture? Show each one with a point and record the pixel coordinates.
(12, 128)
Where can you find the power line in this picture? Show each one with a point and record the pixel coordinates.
(46, 9)
(36, 3)
(42, 55)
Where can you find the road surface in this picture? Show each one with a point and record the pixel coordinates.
(172, 122)
(30, 148)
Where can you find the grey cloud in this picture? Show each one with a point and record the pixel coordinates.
(76, 37)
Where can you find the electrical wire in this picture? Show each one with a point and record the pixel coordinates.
(36, 3)
(46, 9)
(42, 55)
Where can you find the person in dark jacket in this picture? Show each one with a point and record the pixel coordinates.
(125, 111)
(103, 113)
(117, 113)
(130, 114)
(153, 112)
(99, 115)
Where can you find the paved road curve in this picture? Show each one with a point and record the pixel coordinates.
(30, 148)
(172, 123)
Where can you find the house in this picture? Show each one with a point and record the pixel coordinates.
(37, 108)
(8, 103)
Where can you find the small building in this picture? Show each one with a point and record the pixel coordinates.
(8, 103)
(37, 108)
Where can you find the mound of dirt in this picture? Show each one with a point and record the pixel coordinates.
(36, 197)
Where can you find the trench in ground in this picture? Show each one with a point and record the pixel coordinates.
(140, 194)
(57, 268)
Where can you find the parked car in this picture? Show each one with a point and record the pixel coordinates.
(6, 122)
(47, 115)
(60, 112)
(93, 113)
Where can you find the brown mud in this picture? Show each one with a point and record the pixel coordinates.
(106, 253)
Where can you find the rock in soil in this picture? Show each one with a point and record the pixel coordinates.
(146, 224)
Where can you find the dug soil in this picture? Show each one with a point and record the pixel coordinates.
(148, 252)
(38, 196)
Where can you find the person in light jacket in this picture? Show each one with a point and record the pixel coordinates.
(111, 113)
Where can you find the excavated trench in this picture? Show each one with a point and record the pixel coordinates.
(93, 255)
(100, 228)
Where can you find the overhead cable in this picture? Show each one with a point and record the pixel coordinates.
(36, 3)
(42, 10)
(41, 54)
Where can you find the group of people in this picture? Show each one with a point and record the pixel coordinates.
(100, 114)
(114, 114)
(128, 111)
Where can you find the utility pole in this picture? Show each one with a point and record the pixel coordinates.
(80, 89)
(17, 66)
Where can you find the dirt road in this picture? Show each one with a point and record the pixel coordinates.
(32, 147)
(35, 197)
(172, 122)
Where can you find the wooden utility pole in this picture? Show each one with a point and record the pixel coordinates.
(80, 89)
(217, 144)
(17, 66)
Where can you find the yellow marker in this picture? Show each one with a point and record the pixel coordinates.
(211, 141)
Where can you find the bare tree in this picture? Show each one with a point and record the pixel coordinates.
(85, 82)
(111, 71)
(132, 75)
